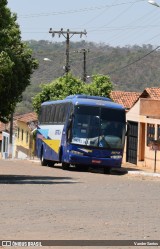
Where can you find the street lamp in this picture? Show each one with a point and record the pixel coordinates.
(47, 59)
(153, 3)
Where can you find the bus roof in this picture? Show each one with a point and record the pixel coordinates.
(81, 99)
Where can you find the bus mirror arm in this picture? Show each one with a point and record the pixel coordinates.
(127, 128)
(68, 129)
(69, 123)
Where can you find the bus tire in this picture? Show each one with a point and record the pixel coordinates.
(107, 170)
(50, 163)
(65, 166)
(83, 168)
(43, 161)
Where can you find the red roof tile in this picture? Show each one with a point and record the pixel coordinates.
(4, 127)
(127, 99)
(152, 92)
(28, 117)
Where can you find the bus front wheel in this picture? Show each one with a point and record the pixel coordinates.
(107, 170)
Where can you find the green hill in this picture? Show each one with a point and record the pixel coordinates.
(131, 68)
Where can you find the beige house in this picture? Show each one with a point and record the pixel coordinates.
(142, 142)
(25, 144)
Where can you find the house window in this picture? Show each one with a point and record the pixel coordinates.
(150, 133)
(27, 136)
(18, 133)
(22, 134)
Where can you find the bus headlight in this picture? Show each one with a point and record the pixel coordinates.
(76, 152)
(116, 157)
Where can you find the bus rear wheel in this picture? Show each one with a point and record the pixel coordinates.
(43, 161)
(50, 163)
(65, 166)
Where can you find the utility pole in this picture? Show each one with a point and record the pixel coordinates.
(67, 34)
(84, 51)
(11, 136)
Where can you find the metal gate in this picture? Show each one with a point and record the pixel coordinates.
(132, 141)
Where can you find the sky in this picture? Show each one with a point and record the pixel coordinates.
(113, 22)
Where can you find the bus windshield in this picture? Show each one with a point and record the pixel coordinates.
(99, 127)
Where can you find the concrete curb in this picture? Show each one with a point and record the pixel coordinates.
(143, 173)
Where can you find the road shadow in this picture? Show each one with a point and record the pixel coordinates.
(121, 171)
(100, 170)
(27, 179)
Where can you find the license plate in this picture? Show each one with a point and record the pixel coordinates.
(96, 161)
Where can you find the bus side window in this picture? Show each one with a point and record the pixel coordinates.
(43, 115)
(40, 116)
(65, 112)
(48, 113)
(56, 113)
(61, 113)
(52, 114)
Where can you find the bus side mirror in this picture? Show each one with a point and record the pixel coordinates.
(69, 123)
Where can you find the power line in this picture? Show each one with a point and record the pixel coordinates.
(144, 18)
(100, 14)
(77, 10)
(112, 20)
(125, 28)
(128, 65)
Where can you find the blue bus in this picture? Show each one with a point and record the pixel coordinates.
(81, 130)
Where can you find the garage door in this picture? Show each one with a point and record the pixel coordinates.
(132, 141)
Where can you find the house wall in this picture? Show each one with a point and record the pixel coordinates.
(145, 155)
(24, 141)
(149, 107)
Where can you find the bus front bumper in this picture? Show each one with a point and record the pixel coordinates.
(108, 162)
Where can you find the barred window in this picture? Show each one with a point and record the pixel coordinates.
(150, 133)
(158, 132)
(27, 137)
(18, 133)
(22, 135)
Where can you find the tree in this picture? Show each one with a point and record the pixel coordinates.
(100, 86)
(69, 85)
(16, 63)
(58, 89)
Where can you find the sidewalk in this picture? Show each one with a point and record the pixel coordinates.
(134, 170)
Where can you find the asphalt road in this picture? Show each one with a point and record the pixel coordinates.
(42, 203)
